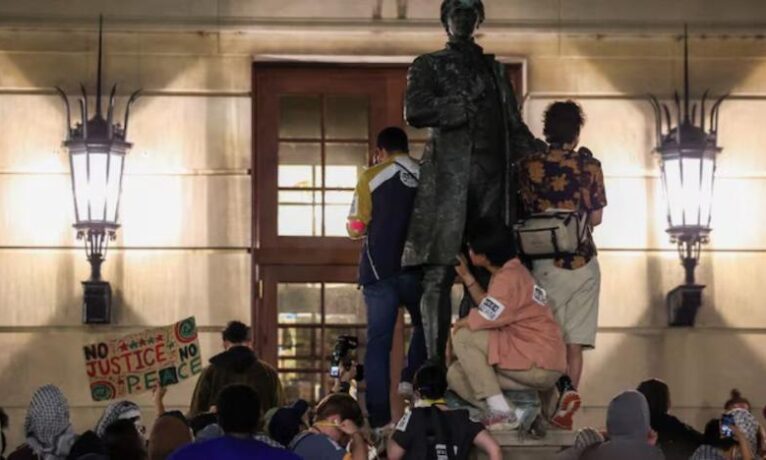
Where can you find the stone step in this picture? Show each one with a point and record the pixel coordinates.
(519, 448)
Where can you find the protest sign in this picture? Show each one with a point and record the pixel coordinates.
(141, 362)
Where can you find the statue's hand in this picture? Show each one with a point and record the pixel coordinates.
(477, 89)
(472, 96)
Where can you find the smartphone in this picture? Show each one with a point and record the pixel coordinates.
(727, 426)
(335, 371)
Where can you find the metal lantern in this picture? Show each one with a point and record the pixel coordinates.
(97, 148)
(688, 161)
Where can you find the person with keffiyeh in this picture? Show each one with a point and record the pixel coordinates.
(49, 432)
(120, 410)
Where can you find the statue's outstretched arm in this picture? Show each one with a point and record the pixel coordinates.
(523, 142)
(423, 108)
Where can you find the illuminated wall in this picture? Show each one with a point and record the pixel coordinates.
(186, 209)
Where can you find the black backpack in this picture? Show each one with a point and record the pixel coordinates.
(438, 436)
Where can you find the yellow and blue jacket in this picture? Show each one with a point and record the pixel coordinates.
(380, 213)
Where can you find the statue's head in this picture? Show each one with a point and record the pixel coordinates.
(462, 17)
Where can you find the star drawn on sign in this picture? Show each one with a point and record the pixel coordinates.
(150, 340)
(133, 345)
(123, 347)
(160, 338)
(142, 342)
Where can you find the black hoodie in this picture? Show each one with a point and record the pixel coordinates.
(240, 365)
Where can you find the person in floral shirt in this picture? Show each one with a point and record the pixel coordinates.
(565, 178)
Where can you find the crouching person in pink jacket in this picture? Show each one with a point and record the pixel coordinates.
(511, 341)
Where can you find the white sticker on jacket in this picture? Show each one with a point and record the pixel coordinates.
(491, 308)
(404, 421)
(539, 295)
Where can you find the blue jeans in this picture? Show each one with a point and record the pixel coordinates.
(383, 299)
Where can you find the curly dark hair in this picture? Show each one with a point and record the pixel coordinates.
(236, 332)
(563, 122)
(449, 5)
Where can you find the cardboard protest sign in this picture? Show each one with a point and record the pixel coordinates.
(143, 361)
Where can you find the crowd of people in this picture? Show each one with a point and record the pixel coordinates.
(638, 425)
(527, 316)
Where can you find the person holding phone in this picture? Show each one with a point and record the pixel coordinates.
(732, 436)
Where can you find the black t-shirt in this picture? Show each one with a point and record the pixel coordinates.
(413, 430)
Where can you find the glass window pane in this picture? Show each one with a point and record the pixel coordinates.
(300, 348)
(344, 164)
(299, 303)
(300, 165)
(346, 117)
(299, 343)
(303, 385)
(300, 117)
(299, 213)
(302, 364)
(344, 304)
(337, 207)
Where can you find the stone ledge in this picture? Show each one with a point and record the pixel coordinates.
(554, 438)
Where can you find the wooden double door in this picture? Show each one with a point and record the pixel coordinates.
(314, 130)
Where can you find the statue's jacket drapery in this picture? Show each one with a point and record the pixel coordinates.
(438, 86)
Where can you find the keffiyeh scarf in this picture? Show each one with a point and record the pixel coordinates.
(746, 422)
(49, 432)
(707, 453)
(119, 410)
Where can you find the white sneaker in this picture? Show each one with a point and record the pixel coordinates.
(500, 421)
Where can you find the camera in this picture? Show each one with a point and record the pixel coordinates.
(727, 426)
(342, 358)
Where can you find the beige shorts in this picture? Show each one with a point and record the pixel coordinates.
(573, 296)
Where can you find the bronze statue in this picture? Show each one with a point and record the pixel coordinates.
(477, 136)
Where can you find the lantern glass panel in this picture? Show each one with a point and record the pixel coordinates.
(113, 186)
(98, 175)
(80, 185)
(689, 190)
(673, 191)
(691, 168)
(706, 203)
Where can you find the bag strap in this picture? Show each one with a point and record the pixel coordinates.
(587, 231)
